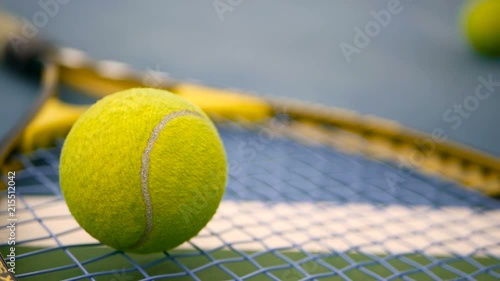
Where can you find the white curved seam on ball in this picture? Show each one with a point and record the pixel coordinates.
(145, 169)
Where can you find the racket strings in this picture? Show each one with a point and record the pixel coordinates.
(292, 210)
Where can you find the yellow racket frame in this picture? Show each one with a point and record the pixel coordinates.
(348, 131)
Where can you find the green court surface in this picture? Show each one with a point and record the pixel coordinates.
(58, 265)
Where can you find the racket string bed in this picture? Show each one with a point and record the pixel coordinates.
(292, 211)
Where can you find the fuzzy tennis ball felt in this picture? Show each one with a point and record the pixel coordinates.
(143, 170)
(481, 19)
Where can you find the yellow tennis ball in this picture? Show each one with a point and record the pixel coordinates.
(143, 170)
(482, 23)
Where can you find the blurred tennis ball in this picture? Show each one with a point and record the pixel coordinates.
(481, 19)
(143, 170)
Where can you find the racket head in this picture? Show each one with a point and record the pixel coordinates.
(305, 200)
(295, 208)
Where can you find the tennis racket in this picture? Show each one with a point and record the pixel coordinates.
(314, 192)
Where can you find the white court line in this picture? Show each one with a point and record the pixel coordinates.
(322, 227)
